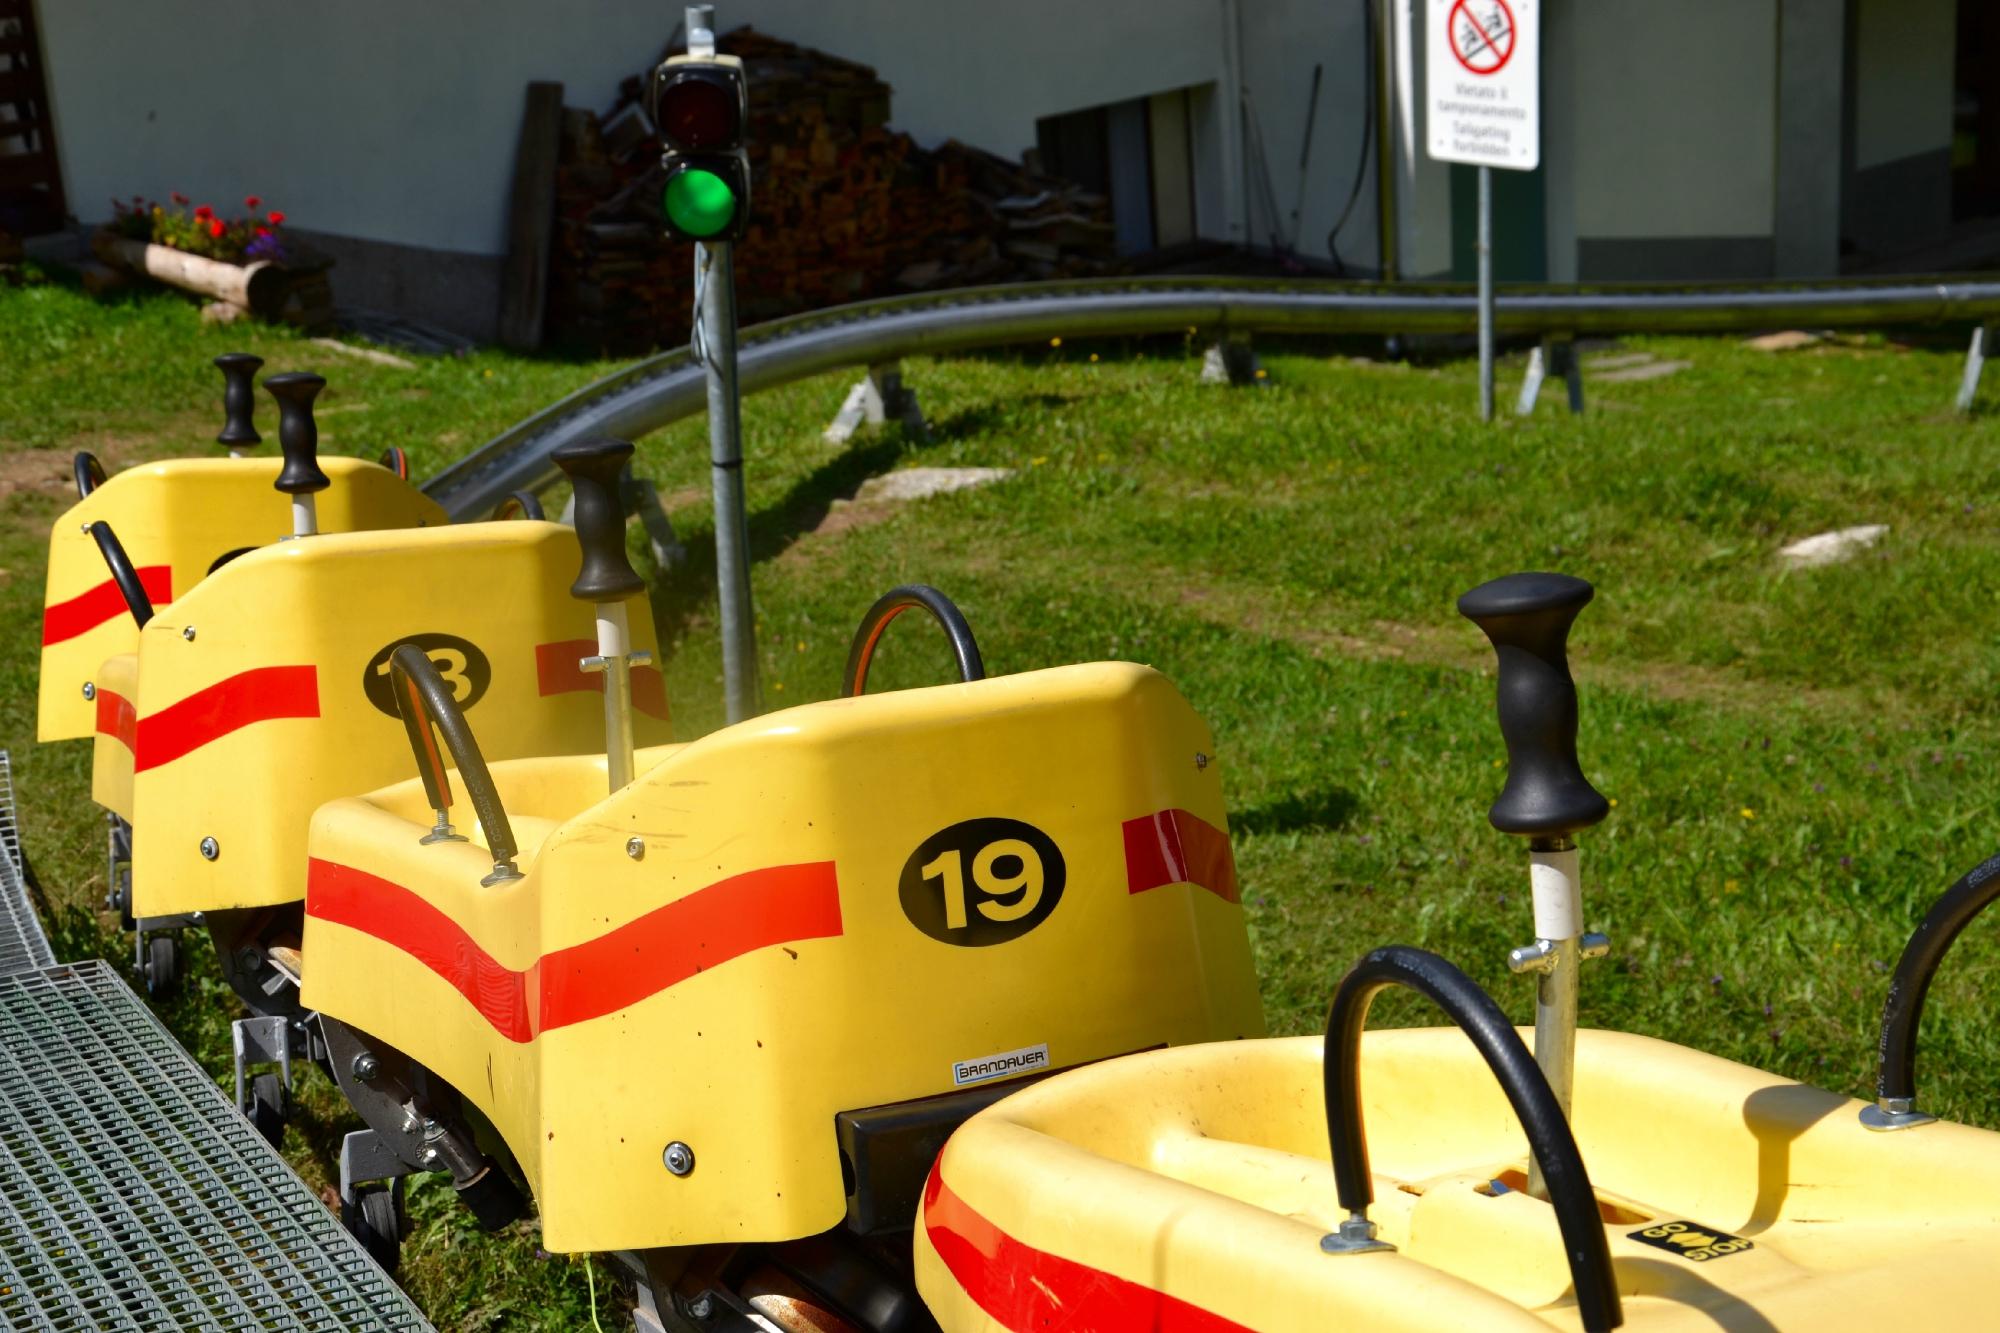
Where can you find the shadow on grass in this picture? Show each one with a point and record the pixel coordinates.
(1321, 809)
(678, 594)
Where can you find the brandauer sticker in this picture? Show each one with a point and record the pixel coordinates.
(1007, 1064)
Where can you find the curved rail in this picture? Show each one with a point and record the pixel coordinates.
(1896, 1067)
(892, 604)
(1527, 1092)
(665, 388)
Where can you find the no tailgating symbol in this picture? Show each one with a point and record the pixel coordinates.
(1482, 35)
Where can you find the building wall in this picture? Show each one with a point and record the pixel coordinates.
(1675, 159)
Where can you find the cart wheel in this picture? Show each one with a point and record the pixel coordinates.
(268, 1105)
(377, 1222)
(163, 966)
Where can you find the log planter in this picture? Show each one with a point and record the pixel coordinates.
(294, 292)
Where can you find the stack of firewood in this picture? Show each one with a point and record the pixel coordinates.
(842, 209)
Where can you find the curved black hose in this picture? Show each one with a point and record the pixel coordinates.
(122, 573)
(1896, 1058)
(89, 473)
(1367, 138)
(422, 698)
(892, 604)
(1527, 1091)
(520, 504)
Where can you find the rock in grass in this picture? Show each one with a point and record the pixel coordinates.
(1830, 548)
(1785, 340)
(914, 483)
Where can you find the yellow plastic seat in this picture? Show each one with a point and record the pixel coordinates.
(1193, 1186)
(831, 908)
(176, 518)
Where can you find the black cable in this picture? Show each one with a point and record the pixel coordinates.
(1367, 136)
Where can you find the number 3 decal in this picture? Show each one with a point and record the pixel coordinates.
(982, 881)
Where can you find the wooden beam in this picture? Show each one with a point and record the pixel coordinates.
(26, 169)
(524, 283)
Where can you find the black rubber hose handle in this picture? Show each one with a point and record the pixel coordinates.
(1528, 1092)
(520, 504)
(892, 604)
(1896, 1059)
(593, 466)
(1527, 618)
(239, 400)
(122, 573)
(298, 433)
(424, 700)
(88, 472)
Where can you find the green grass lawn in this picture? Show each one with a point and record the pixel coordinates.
(1800, 762)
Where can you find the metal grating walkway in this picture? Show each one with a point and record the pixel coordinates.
(22, 944)
(132, 1193)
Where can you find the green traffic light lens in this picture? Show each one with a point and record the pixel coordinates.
(699, 202)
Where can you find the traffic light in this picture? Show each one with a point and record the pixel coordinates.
(701, 106)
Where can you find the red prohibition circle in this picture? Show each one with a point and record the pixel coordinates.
(1477, 45)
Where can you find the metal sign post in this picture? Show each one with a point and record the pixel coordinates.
(1483, 70)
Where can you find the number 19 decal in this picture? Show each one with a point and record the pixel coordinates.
(982, 881)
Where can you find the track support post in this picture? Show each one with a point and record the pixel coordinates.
(1976, 353)
(1555, 355)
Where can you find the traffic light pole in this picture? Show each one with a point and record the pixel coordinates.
(715, 281)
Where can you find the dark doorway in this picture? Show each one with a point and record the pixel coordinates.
(1975, 136)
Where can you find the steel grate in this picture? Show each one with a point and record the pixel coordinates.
(22, 944)
(132, 1194)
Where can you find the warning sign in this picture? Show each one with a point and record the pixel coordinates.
(1484, 73)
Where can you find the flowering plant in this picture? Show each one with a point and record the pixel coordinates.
(201, 230)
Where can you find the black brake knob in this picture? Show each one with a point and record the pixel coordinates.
(298, 434)
(1527, 618)
(593, 466)
(239, 400)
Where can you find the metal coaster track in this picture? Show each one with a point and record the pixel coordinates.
(665, 388)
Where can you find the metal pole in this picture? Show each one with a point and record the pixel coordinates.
(1385, 140)
(716, 285)
(1486, 293)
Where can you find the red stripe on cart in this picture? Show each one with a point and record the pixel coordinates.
(758, 909)
(1175, 847)
(1032, 1291)
(261, 694)
(117, 719)
(557, 672)
(63, 621)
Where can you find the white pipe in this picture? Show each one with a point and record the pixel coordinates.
(614, 648)
(305, 515)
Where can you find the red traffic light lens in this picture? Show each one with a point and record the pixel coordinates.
(698, 114)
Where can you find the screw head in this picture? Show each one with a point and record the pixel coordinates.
(701, 1307)
(210, 849)
(635, 848)
(90, 689)
(366, 1066)
(679, 1158)
(188, 634)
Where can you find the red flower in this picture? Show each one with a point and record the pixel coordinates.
(215, 227)
(179, 198)
(263, 231)
(276, 218)
(204, 212)
(253, 202)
